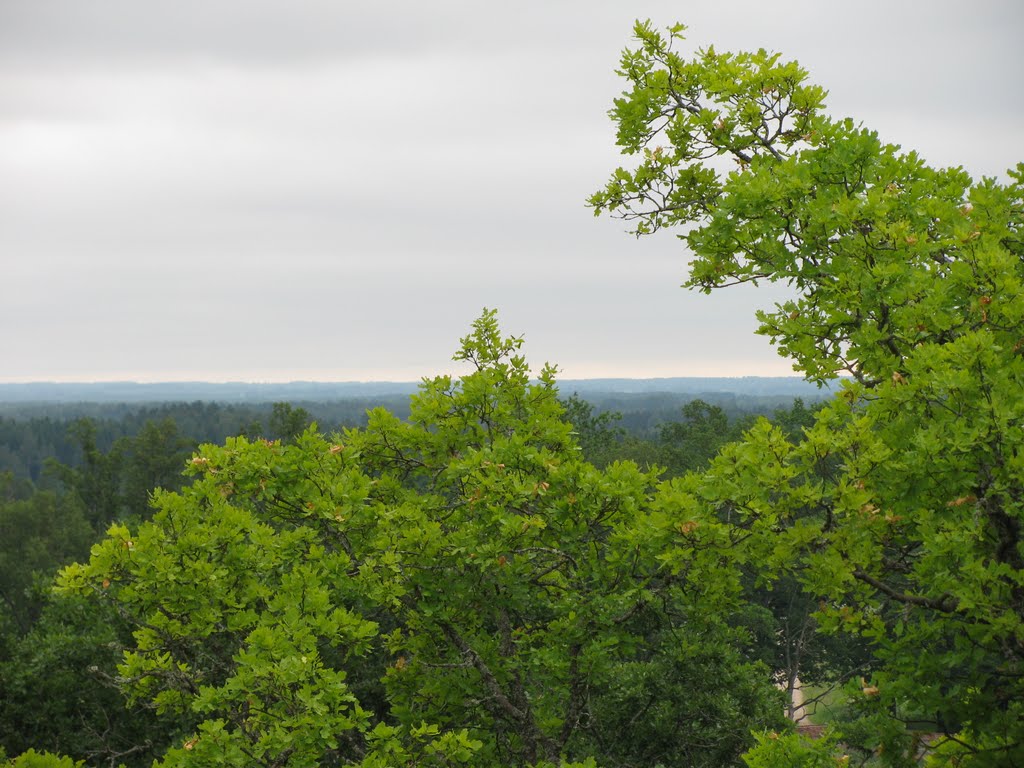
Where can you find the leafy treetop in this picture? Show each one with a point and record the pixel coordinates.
(864, 232)
(902, 510)
(460, 588)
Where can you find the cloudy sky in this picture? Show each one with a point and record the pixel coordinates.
(332, 190)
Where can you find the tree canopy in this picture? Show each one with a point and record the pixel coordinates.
(458, 588)
(902, 509)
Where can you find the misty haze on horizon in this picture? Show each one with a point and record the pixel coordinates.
(135, 392)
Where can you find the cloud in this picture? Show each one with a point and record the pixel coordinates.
(246, 185)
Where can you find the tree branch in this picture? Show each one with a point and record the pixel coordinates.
(947, 603)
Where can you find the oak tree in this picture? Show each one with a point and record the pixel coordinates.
(902, 510)
(457, 588)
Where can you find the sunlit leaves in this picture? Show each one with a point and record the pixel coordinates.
(458, 588)
(901, 510)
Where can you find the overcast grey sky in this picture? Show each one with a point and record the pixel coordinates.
(255, 190)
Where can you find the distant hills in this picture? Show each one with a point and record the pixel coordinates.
(789, 386)
(312, 391)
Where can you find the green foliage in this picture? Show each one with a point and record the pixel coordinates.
(689, 444)
(902, 508)
(37, 535)
(152, 459)
(458, 588)
(60, 694)
(117, 483)
(96, 484)
(33, 759)
(598, 438)
(35, 435)
(791, 750)
(288, 422)
(680, 441)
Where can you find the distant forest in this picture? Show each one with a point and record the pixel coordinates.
(71, 470)
(313, 391)
(38, 421)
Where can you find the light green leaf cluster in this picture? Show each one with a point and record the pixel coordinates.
(902, 509)
(791, 750)
(460, 588)
(33, 759)
(679, 114)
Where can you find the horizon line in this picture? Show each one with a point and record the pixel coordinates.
(328, 382)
